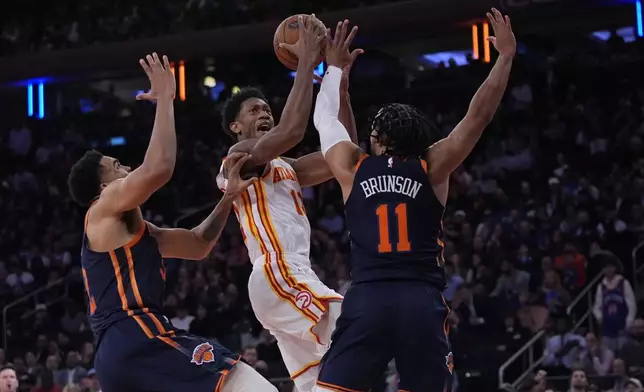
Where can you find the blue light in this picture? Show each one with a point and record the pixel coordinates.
(30, 100)
(41, 100)
(117, 141)
(319, 71)
(459, 57)
(638, 11)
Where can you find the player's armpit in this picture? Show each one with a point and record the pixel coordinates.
(343, 158)
(311, 169)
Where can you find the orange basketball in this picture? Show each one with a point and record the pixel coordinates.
(288, 32)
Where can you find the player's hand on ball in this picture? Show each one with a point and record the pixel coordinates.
(503, 39)
(337, 50)
(161, 78)
(307, 47)
(232, 166)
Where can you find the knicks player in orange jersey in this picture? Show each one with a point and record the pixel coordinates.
(138, 349)
(287, 296)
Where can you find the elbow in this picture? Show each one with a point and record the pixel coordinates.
(482, 118)
(162, 174)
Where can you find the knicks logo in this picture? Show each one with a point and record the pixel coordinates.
(203, 353)
(449, 362)
(303, 299)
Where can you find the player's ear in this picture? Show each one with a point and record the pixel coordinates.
(235, 127)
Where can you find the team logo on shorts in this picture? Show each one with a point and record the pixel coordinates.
(449, 362)
(303, 299)
(203, 353)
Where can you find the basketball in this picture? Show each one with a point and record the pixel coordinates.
(288, 32)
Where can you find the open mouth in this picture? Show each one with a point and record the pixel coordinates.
(264, 127)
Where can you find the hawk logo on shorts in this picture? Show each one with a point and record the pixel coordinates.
(203, 353)
(449, 362)
(303, 299)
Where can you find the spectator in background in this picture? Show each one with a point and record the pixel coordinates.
(572, 266)
(45, 382)
(454, 281)
(72, 388)
(596, 358)
(615, 306)
(578, 381)
(633, 350)
(183, 319)
(513, 285)
(8, 379)
(90, 383)
(562, 348)
(634, 385)
(621, 376)
(73, 373)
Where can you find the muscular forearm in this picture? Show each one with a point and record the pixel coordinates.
(297, 109)
(209, 231)
(489, 95)
(346, 116)
(162, 150)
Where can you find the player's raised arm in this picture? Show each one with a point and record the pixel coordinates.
(340, 152)
(312, 169)
(158, 165)
(446, 155)
(295, 117)
(195, 244)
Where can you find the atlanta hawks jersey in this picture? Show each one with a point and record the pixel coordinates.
(271, 212)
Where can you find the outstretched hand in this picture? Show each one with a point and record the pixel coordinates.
(232, 166)
(337, 50)
(163, 84)
(503, 39)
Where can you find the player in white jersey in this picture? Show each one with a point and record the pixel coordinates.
(287, 296)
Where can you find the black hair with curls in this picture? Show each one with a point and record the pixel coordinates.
(233, 106)
(403, 130)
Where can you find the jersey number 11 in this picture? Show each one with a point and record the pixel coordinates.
(403, 245)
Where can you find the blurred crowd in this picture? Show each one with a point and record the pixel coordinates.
(32, 27)
(552, 196)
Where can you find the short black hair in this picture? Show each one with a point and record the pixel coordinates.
(84, 179)
(404, 131)
(233, 105)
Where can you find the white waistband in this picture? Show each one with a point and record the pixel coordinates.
(290, 258)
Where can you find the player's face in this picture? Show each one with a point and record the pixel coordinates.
(8, 381)
(376, 148)
(112, 169)
(255, 119)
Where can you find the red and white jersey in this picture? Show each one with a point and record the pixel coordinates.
(271, 213)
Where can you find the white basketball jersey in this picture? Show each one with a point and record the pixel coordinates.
(271, 212)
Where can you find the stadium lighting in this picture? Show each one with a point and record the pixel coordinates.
(638, 12)
(41, 100)
(475, 42)
(30, 100)
(486, 43)
(182, 81)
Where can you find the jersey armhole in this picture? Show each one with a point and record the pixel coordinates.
(423, 163)
(360, 160)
